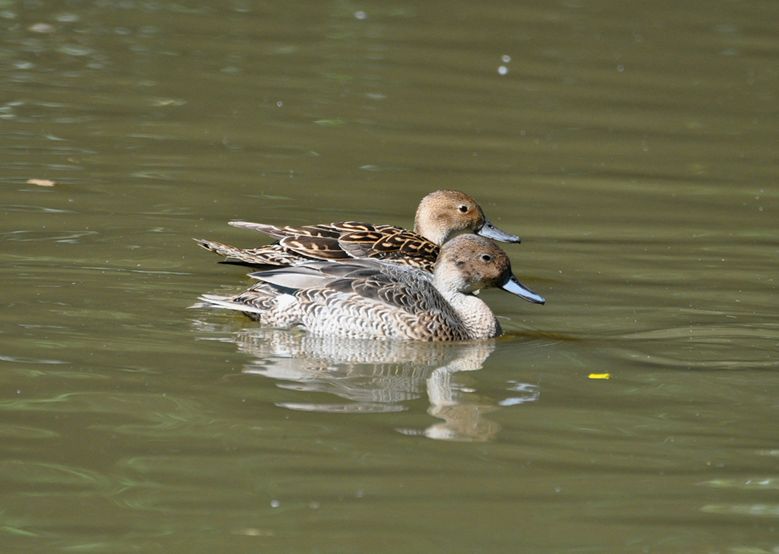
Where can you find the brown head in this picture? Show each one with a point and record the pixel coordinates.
(468, 263)
(444, 214)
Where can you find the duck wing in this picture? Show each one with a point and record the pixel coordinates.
(323, 242)
(314, 242)
(336, 241)
(268, 255)
(315, 248)
(314, 274)
(408, 289)
(333, 230)
(390, 243)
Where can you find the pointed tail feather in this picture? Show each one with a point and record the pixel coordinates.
(270, 230)
(219, 248)
(268, 255)
(216, 301)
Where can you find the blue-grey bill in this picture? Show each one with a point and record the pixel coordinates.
(491, 232)
(515, 287)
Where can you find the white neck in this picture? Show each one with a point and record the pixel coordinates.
(430, 232)
(478, 319)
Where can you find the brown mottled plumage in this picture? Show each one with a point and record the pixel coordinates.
(377, 300)
(440, 216)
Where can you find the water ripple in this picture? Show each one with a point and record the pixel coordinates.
(42, 236)
(756, 510)
(23, 360)
(23, 208)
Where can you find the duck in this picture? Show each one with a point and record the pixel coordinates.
(375, 299)
(441, 215)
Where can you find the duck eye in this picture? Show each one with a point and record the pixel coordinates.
(463, 208)
(486, 258)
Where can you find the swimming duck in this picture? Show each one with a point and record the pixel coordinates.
(440, 216)
(372, 299)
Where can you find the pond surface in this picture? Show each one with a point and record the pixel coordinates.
(632, 147)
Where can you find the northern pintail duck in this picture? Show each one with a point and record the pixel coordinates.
(440, 216)
(379, 300)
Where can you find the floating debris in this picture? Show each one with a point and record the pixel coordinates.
(602, 376)
(41, 182)
(41, 28)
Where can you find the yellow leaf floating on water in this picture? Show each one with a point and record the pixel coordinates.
(605, 376)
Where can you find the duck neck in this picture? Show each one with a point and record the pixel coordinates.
(423, 226)
(476, 316)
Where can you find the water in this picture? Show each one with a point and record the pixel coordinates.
(632, 147)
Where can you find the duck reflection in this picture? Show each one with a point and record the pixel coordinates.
(381, 376)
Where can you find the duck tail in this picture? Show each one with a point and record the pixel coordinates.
(219, 248)
(271, 255)
(270, 230)
(227, 303)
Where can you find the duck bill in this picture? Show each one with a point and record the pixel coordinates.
(515, 287)
(491, 232)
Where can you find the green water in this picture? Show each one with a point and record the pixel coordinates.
(631, 146)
